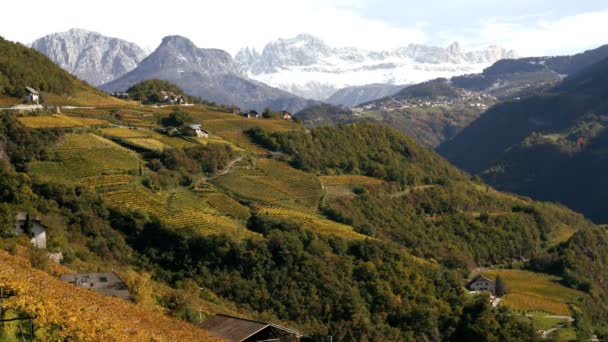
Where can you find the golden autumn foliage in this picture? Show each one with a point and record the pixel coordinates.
(65, 312)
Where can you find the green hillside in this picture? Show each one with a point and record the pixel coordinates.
(21, 66)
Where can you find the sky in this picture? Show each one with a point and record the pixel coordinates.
(530, 27)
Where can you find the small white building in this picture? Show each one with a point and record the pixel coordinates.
(37, 232)
(198, 131)
(32, 95)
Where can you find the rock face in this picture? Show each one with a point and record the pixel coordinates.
(352, 96)
(91, 56)
(211, 74)
(308, 67)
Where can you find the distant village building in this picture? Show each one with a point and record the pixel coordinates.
(197, 131)
(32, 95)
(121, 95)
(482, 283)
(236, 329)
(172, 98)
(37, 231)
(287, 115)
(251, 114)
(107, 283)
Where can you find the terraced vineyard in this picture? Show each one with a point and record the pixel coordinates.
(146, 138)
(224, 204)
(240, 124)
(274, 183)
(146, 143)
(242, 140)
(103, 181)
(63, 312)
(180, 209)
(529, 291)
(86, 155)
(312, 222)
(59, 121)
(349, 180)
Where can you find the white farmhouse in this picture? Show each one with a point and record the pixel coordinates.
(37, 232)
(32, 95)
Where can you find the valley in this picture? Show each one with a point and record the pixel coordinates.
(303, 193)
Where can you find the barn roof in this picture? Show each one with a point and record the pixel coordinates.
(482, 278)
(31, 90)
(238, 329)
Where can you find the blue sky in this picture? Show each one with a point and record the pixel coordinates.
(531, 27)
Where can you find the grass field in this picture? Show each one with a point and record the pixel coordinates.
(59, 121)
(529, 291)
(8, 101)
(274, 183)
(545, 323)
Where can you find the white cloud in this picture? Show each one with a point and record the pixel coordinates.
(231, 24)
(571, 34)
(227, 24)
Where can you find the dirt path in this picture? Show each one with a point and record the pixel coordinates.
(227, 169)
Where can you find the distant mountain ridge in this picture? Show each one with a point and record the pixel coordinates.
(211, 74)
(352, 96)
(307, 66)
(551, 146)
(91, 56)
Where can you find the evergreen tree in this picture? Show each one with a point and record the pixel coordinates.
(501, 288)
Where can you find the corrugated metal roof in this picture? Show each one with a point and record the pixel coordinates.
(107, 283)
(232, 328)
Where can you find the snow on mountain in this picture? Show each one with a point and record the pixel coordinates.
(307, 66)
(211, 74)
(91, 56)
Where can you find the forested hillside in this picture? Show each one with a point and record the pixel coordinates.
(21, 66)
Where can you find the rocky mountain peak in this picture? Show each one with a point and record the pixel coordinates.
(89, 55)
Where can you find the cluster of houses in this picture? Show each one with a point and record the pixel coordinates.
(285, 115)
(164, 96)
(465, 98)
(171, 98)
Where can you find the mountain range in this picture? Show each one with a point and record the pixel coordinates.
(91, 56)
(308, 67)
(436, 111)
(211, 74)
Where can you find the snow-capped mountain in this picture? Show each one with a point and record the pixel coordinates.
(354, 95)
(91, 56)
(211, 74)
(308, 67)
